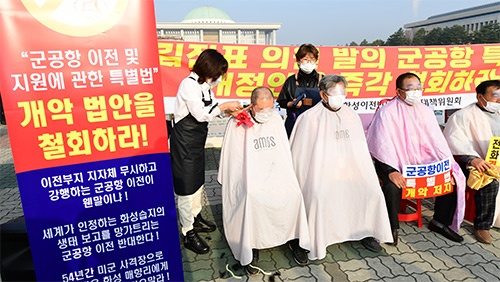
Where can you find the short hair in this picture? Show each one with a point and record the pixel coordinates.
(481, 88)
(210, 65)
(402, 77)
(329, 80)
(306, 48)
(260, 93)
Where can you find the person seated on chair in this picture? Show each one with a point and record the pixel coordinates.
(335, 171)
(262, 205)
(406, 132)
(468, 132)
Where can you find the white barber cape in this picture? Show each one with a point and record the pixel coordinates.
(341, 190)
(262, 204)
(468, 132)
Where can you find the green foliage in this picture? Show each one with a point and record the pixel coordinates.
(454, 35)
(398, 39)
(364, 43)
(489, 33)
(419, 38)
(434, 37)
(378, 42)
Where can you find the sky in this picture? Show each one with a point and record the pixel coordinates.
(321, 22)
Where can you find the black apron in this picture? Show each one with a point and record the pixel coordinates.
(311, 99)
(187, 153)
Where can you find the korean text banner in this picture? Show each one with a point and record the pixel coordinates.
(83, 100)
(427, 181)
(493, 154)
(447, 72)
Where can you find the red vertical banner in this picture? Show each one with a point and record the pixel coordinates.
(82, 93)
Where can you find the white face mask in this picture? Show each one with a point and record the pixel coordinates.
(216, 82)
(307, 67)
(413, 97)
(492, 107)
(264, 115)
(336, 96)
(336, 101)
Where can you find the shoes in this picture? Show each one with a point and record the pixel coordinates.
(202, 225)
(394, 238)
(251, 268)
(194, 242)
(445, 231)
(299, 254)
(483, 236)
(371, 244)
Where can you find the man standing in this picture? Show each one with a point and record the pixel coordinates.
(468, 133)
(406, 132)
(262, 205)
(335, 171)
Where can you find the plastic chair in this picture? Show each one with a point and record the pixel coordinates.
(417, 215)
(470, 206)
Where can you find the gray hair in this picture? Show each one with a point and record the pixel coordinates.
(261, 92)
(329, 80)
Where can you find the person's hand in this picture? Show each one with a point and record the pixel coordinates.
(480, 164)
(290, 104)
(397, 178)
(230, 107)
(237, 112)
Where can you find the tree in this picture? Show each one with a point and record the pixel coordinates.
(419, 38)
(398, 39)
(353, 43)
(378, 42)
(434, 37)
(455, 35)
(364, 43)
(489, 33)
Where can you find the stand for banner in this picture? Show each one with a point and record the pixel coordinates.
(16, 260)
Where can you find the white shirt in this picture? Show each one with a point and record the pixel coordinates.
(189, 100)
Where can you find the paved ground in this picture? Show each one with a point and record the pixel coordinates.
(420, 256)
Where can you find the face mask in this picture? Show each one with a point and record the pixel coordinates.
(413, 97)
(216, 82)
(336, 101)
(307, 67)
(264, 115)
(336, 96)
(492, 107)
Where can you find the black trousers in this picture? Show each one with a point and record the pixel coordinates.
(444, 206)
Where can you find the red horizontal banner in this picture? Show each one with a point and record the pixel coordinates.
(370, 71)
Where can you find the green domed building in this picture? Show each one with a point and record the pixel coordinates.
(210, 24)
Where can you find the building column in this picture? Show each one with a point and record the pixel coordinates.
(182, 34)
(239, 37)
(273, 38)
(257, 36)
(201, 35)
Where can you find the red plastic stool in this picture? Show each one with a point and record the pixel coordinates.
(417, 215)
(470, 206)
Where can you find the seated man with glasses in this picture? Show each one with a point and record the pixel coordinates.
(468, 133)
(262, 204)
(335, 171)
(405, 132)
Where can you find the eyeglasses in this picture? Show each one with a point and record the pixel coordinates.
(308, 60)
(413, 89)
